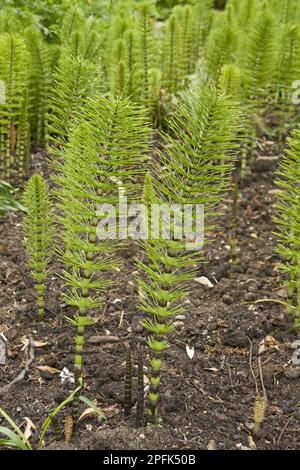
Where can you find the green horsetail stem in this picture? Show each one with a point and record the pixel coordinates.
(158, 345)
(81, 322)
(14, 125)
(38, 231)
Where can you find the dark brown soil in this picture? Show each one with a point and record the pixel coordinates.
(209, 397)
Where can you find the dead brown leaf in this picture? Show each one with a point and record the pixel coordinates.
(49, 369)
(269, 342)
(88, 413)
(29, 427)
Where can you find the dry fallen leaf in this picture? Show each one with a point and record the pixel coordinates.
(204, 281)
(190, 350)
(49, 369)
(251, 443)
(268, 343)
(88, 413)
(37, 344)
(282, 292)
(28, 428)
(40, 344)
(211, 369)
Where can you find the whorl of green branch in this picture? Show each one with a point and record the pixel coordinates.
(38, 233)
(288, 219)
(196, 164)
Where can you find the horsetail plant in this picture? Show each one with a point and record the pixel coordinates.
(221, 46)
(14, 124)
(148, 71)
(38, 234)
(171, 78)
(197, 164)
(257, 58)
(71, 23)
(245, 12)
(287, 72)
(107, 149)
(287, 11)
(185, 21)
(40, 77)
(202, 20)
(230, 81)
(288, 221)
(72, 83)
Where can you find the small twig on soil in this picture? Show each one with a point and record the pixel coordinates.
(258, 301)
(230, 377)
(251, 367)
(22, 374)
(283, 429)
(261, 377)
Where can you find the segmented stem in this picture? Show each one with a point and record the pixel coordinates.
(158, 346)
